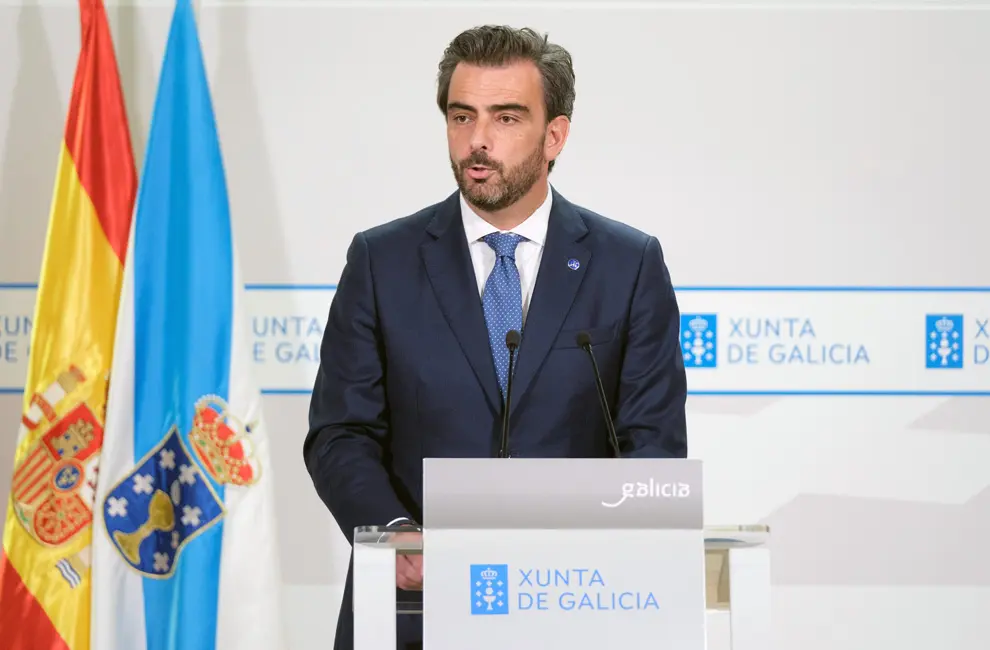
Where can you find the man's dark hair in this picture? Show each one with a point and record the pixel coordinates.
(497, 45)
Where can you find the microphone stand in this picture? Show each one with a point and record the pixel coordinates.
(584, 342)
(512, 338)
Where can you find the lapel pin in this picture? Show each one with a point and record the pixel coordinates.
(573, 264)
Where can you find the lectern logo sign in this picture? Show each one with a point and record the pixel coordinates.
(650, 489)
(561, 588)
(489, 589)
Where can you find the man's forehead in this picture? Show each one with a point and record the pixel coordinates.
(517, 82)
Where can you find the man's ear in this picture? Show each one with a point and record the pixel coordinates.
(557, 131)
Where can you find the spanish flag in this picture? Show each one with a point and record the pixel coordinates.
(44, 568)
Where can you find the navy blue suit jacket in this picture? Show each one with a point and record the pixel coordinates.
(406, 369)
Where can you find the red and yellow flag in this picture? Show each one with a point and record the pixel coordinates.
(44, 568)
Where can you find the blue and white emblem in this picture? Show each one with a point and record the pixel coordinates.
(945, 339)
(699, 340)
(164, 502)
(489, 589)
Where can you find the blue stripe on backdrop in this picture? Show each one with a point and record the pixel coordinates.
(724, 393)
(289, 286)
(183, 313)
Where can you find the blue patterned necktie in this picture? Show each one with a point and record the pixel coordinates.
(502, 300)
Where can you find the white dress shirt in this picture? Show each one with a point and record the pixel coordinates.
(529, 252)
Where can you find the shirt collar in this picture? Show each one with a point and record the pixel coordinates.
(533, 228)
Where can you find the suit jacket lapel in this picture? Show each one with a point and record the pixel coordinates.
(448, 264)
(556, 286)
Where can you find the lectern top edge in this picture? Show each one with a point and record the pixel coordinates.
(562, 493)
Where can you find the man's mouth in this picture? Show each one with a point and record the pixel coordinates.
(479, 172)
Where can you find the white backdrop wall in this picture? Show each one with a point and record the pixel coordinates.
(823, 164)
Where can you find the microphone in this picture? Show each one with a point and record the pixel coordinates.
(584, 342)
(512, 338)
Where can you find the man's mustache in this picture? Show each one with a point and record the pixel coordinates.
(480, 158)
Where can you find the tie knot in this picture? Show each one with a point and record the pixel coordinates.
(503, 243)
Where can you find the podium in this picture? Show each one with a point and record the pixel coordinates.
(580, 553)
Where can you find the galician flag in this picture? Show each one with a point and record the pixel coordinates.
(186, 556)
(45, 574)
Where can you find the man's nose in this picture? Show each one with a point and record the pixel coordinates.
(481, 137)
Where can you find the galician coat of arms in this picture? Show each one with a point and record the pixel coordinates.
(169, 498)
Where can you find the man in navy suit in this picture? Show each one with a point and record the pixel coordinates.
(414, 362)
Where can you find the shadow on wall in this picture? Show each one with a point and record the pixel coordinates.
(257, 228)
(138, 67)
(829, 539)
(247, 160)
(34, 127)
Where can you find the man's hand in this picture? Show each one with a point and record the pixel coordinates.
(409, 568)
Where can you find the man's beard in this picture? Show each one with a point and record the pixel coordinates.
(494, 194)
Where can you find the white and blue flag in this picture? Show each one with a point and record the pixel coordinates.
(184, 543)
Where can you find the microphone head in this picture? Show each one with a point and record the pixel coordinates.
(583, 339)
(512, 339)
